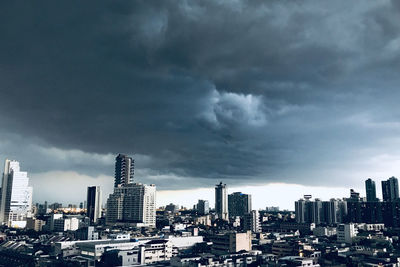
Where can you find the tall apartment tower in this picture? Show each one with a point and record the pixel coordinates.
(124, 170)
(16, 196)
(370, 190)
(93, 203)
(133, 204)
(239, 204)
(221, 201)
(390, 189)
(300, 210)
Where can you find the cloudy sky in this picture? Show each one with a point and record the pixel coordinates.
(275, 98)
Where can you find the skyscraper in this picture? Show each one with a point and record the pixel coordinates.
(370, 190)
(93, 203)
(221, 201)
(239, 204)
(124, 170)
(390, 189)
(133, 204)
(16, 196)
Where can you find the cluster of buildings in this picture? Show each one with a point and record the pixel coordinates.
(130, 231)
(354, 209)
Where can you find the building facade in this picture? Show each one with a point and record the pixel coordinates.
(251, 221)
(239, 204)
(16, 196)
(221, 201)
(124, 170)
(93, 203)
(370, 190)
(203, 207)
(134, 203)
(390, 189)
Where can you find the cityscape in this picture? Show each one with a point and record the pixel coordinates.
(200, 133)
(131, 230)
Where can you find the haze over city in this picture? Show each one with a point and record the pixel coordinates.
(276, 99)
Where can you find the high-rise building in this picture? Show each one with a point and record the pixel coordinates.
(300, 210)
(221, 201)
(251, 221)
(370, 190)
(124, 170)
(133, 204)
(330, 211)
(239, 204)
(93, 203)
(390, 189)
(316, 211)
(203, 207)
(16, 196)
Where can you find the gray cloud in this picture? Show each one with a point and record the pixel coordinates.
(248, 91)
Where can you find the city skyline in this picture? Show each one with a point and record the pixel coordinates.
(187, 200)
(279, 99)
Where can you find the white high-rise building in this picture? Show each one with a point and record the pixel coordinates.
(134, 204)
(16, 196)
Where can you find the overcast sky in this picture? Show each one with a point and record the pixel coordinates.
(303, 94)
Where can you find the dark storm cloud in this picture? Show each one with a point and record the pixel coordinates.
(262, 90)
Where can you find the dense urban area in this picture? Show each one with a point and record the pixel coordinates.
(129, 230)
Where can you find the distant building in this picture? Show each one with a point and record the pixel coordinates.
(134, 204)
(66, 224)
(239, 204)
(251, 221)
(34, 224)
(370, 190)
(203, 220)
(230, 242)
(16, 196)
(221, 201)
(172, 208)
(93, 203)
(124, 170)
(324, 231)
(87, 233)
(346, 233)
(390, 189)
(42, 209)
(51, 219)
(300, 211)
(149, 253)
(203, 207)
(272, 209)
(317, 211)
(354, 196)
(55, 206)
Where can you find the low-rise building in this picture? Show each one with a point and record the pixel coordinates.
(34, 224)
(346, 232)
(231, 242)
